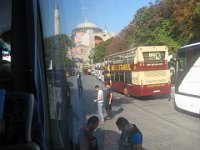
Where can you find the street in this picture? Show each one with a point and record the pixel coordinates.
(162, 126)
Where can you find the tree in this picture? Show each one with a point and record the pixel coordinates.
(56, 47)
(167, 22)
(101, 51)
(186, 20)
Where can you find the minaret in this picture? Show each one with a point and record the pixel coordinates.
(56, 20)
(105, 30)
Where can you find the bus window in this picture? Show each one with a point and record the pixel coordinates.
(121, 76)
(112, 76)
(56, 43)
(116, 76)
(128, 77)
(181, 69)
(181, 65)
(194, 56)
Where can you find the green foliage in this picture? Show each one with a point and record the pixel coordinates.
(167, 22)
(197, 9)
(56, 47)
(100, 51)
(69, 64)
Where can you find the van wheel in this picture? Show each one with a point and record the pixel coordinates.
(175, 106)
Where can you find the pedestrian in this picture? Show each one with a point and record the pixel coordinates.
(80, 86)
(109, 101)
(131, 137)
(86, 138)
(100, 101)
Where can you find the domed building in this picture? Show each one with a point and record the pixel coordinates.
(86, 36)
(86, 26)
(87, 33)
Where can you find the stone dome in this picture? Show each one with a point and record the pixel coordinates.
(86, 25)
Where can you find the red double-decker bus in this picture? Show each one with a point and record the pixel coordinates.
(142, 71)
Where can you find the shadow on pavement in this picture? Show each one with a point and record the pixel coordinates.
(119, 101)
(154, 97)
(115, 112)
(107, 139)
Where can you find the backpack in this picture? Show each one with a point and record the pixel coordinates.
(126, 139)
(132, 133)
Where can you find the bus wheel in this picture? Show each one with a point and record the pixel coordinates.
(125, 91)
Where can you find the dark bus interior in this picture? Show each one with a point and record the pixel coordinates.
(25, 121)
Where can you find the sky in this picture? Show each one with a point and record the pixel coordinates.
(114, 15)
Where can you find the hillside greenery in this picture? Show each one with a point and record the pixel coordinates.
(173, 23)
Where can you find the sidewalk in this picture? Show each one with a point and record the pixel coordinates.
(162, 126)
(82, 107)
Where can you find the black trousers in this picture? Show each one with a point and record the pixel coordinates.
(109, 110)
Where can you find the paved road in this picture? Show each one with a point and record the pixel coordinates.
(163, 128)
